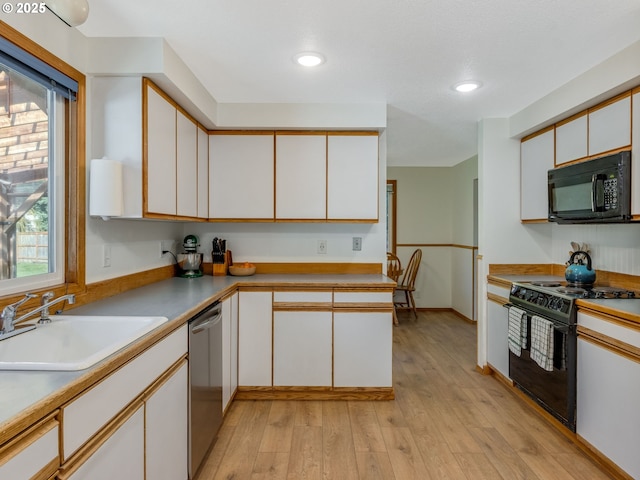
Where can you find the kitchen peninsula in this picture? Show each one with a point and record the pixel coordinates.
(357, 308)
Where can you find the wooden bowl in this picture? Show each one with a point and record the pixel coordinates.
(241, 270)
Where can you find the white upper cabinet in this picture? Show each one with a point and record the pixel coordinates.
(301, 176)
(571, 140)
(536, 159)
(203, 174)
(187, 162)
(352, 177)
(134, 122)
(241, 176)
(160, 151)
(610, 126)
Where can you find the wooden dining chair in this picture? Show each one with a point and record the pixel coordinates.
(394, 270)
(394, 267)
(408, 282)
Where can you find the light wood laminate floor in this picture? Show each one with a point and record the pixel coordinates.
(448, 422)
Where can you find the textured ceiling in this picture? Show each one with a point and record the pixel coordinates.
(405, 53)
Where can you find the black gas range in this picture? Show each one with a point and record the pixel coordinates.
(553, 389)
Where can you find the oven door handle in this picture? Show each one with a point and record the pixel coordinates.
(508, 305)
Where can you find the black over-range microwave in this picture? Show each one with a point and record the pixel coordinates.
(595, 191)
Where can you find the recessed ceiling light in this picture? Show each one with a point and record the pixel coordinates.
(309, 59)
(467, 86)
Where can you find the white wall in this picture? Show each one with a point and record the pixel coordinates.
(463, 258)
(424, 216)
(501, 236)
(464, 174)
(614, 248)
(434, 212)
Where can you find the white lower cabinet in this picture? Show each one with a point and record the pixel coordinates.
(166, 428)
(35, 452)
(88, 413)
(497, 337)
(302, 348)
(362, 348)
(120, 456)
(608, 388)
(254, 339)
(229, 349)
(139, 410)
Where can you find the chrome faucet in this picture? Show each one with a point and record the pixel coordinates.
(43, 309)
(44, 314)
(9, 314)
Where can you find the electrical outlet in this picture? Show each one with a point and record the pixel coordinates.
(322, 247)
(160, 248)
(357, 244)
(165, 246)
(106, 255)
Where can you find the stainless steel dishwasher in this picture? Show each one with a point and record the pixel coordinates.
(205, 383)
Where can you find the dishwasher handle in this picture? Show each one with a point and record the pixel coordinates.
(206, 321)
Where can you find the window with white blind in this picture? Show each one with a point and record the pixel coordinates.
(37, 126)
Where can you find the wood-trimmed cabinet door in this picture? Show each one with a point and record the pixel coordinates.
(302, 348)
(229, 349)
(352, 177)
(233, 385)
(572, 139)
(121, 455)
(186, 166)
(536, 159)
(255, 335)
(362, 348)
(610, 126)
(608, 388)
(241, 177)
(301, 176)
(497, 336)
(33, 454)
(203, 174)
(166, 428)
(160, 157)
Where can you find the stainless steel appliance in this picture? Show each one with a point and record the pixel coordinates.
(595, 191)
(205, 383)
(555, 390)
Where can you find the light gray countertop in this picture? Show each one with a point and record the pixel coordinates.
(172, 298)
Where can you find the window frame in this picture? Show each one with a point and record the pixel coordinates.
(74, 193)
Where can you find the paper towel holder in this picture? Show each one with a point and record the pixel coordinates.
(105, 188)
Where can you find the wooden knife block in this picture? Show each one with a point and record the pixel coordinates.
(221, 269)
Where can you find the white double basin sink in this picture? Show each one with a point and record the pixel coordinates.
(73, 342)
